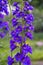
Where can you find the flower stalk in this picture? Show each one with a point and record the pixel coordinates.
(22, 28)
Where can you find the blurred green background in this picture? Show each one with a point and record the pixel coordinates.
(36, 43)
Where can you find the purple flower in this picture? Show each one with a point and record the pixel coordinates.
(20, 14)
(12, 45)
(18, 29)
(3, 6)
(10, 60)
(2, 35)
(17, 8)
(27, 6)
(28, 18)
(14, 22)
(5, 23)
(6, 10)
(19, 57)
(31, 27)
(1, 24)
(15, 11)
(18, 39)
(29, 35)
(13, 33)
(15, 3)
(26, 49)
(4, 1)
(26, 61)
(26, 3)
(1, 15)
(30, 7)
(4, 27)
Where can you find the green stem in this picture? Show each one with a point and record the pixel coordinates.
(10, 17)
(22, 21)
(19, 63)
(20, 52)
(11, 53)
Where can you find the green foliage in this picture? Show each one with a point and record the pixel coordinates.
(37, 55)
(12, 1)
(35, 2)
(38, 36)
(38, 22)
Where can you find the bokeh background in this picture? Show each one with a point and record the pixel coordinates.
(36, 43)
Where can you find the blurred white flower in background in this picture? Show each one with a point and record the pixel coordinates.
(30, 0)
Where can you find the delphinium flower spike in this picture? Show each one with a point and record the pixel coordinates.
(22, 29)
(4, 25)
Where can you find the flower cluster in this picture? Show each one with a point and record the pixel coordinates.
(4, 28)
(3, 6)
(22, 29)
(4, 25)
(11, 60)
